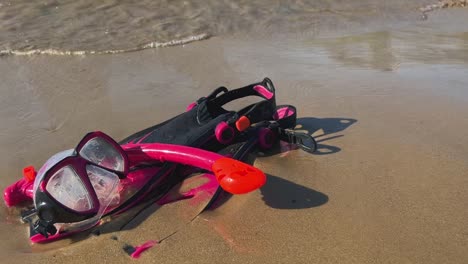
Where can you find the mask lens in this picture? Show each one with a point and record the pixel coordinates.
(49, 164)
(101, 152)
(104, 183)
(66, 187)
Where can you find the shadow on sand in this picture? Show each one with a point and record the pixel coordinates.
(321, 128)
(279, 193)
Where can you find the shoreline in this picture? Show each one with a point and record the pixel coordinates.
(324, 21)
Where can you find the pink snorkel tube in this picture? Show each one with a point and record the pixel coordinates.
(233, 176)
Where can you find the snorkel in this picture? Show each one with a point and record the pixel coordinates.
(75, 188)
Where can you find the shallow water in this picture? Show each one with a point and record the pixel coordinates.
(388, 108)
(76, 27)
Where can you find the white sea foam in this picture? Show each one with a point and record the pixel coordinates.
(150, 45)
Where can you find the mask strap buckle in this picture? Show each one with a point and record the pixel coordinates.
(305, 141)
(44, 228)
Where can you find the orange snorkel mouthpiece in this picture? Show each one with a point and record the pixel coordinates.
(237, 177)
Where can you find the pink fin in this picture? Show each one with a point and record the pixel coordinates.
(142, 248)
(191, 106)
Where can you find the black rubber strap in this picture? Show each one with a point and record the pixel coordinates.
(257, 112)
(243, 92)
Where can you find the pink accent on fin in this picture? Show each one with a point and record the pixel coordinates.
(18, 192)
(38, 238)
(263, 91)
(191, 106)
(266, 137)
(197, 194)
(221, 128)
(283, 112)
(142, 248)
(204, 191)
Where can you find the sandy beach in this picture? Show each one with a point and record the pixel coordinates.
(387, 103)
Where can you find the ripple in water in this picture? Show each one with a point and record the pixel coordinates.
(80, 27)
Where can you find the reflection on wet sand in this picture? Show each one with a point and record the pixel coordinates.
(386, 50)
(376, 48)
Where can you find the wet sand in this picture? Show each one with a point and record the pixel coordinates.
(388, 107)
